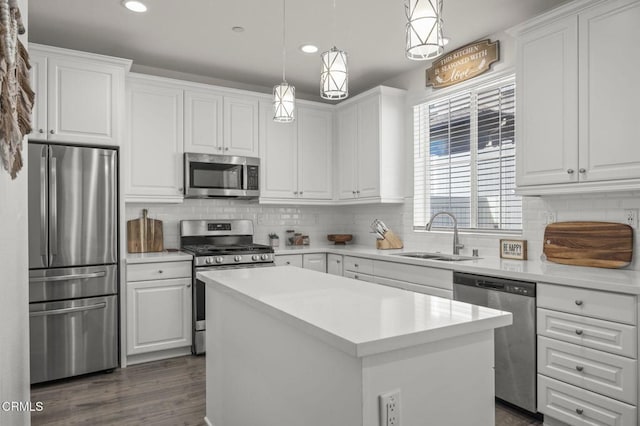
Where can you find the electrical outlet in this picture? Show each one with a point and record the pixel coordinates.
(390, 408)
(550, 217)
(631, 217)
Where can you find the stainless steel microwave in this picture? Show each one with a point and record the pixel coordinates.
(210, 176)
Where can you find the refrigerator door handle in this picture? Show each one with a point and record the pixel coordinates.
(43, 203)
(67, 310)
(68, 277)
(53, 204)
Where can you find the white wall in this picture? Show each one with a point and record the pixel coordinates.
(14, 322)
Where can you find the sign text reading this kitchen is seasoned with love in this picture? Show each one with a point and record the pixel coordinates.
(463, 64)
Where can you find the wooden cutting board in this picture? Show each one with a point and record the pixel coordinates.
(599, 244)
(144, 235)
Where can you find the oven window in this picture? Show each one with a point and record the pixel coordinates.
(214, 175)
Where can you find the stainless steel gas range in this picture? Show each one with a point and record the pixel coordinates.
(218, 244)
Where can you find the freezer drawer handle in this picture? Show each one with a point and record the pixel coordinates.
(68, 277)
(67, 310)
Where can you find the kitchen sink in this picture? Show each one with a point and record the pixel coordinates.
(436, 256)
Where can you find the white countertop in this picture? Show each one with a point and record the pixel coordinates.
(357, 317)
(613, 280)
(161, 256)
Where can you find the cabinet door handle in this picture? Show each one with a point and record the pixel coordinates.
(226, 148)
(288, 263)
(52, 131)
(40, 131)
(219, 148)
(579, 411)
(583, 170)
(579, 332)
(357, 192)
(579, 302)
(295, 192)
(300, 192)
(353, 192)
(570, 171)
(337, 261)
(579, 367)
(188, 285)
(160, 271)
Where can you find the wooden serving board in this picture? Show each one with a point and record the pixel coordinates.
(599, 244)
(144, 235)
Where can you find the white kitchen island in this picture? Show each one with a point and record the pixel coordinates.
(291, 347)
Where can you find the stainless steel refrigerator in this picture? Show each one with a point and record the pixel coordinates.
(73, 260)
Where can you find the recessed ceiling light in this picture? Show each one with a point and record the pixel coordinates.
(237, 29)
(135, 6)
(309, 48)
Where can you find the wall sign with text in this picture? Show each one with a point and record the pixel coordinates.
(463, 64)
(513, 249)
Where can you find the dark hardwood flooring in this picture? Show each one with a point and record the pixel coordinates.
(169, 392)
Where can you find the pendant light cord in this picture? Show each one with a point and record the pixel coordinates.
(284, 50)
(334, 22)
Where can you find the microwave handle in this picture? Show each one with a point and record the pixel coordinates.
(245, 176)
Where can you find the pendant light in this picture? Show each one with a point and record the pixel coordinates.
(334, 77)
(424, 29)
(284, 94)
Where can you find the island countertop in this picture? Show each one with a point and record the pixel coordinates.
(356, 317)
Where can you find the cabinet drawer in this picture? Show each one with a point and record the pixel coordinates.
(359, 276)
(578, 407)
(417, 288)
(593, 333)
(158, 270)
(597, 371)
(289, 260)
(592, 303)
(434, 277)
(315, 261)
(358, 264)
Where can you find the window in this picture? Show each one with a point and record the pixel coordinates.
(464, 160)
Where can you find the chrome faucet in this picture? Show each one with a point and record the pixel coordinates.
(456, 241)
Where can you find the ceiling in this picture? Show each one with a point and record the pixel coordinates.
(195, 36)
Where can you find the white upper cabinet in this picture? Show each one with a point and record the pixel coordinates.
(79, 96)
(315, 131)
(154, 144)
(203, 122)
(297, 157)
(370, 147)
(219, 124)
(577, 95)
(240, 126)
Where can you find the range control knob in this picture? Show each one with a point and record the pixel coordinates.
(264, 257)
(208, 260)
(237, 258)
(255, 257)
(219, 259)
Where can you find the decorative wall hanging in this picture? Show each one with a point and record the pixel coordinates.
(463, 64)
(16, 95)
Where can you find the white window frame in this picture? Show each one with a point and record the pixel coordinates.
(473, 89)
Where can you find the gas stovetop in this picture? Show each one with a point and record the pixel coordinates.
(222, 242)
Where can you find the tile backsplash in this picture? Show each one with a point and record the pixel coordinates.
(318, 221)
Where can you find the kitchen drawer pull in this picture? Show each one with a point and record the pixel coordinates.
(288, 263)
(583, 170)
(357, 277)
(579, 332)
(355, 265)
(579, 302)
(570, 171)
(579, 367)
(160, 271)
(579, 411)
(68, 277)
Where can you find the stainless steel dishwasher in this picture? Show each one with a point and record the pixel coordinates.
(515, 345)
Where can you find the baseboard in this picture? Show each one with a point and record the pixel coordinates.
(158, 355)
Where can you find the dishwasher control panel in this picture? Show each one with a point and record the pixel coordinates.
(523, 288)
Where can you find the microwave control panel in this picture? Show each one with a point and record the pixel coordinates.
(252, 178)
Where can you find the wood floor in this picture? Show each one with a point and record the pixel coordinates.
(169, 392)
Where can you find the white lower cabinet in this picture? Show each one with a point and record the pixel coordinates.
(587, 356)
(315, 261)
(158, 306)
(334, 264)
(288, 260)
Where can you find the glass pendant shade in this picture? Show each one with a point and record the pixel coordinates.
(424, 29)
(284, 102)
(334, 78)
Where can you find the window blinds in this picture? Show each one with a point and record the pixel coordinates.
(464, 160)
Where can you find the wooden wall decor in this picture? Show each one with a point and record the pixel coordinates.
(463, 64)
